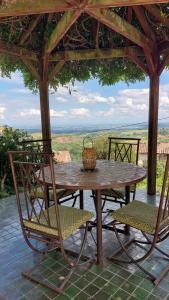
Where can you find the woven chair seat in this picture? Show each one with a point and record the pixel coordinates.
(71, 219)
(61, 193)
(139, 215)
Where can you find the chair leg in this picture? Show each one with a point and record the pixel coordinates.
(72, 264)
(74, 201)
(161, 275)
(35, 279)
(155, 279)
(79, 256)
(72, 196)
(103, 204)
(28, 274)
(156, 247)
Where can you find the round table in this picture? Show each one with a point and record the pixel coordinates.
(108, 174)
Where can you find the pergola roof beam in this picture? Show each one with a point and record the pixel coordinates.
(118, 3)
(62, 27)
(164, 62)
(24, 7)
(72, 2)
(73, 55)
(56, 69)
(17, 51)
(150, 62)
(31, 68)
(139, 11)
(31, 27)
(118, 24)
(133, 56)
(153, 10)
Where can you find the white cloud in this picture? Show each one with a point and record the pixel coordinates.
(36, 112)
(134, 92)
(164, 99)
(58, 114)
(30, 112)
(65, 90)
(2, 110)
(23, 91)
(136, 101)
(61, 99)
(62, 90)
(92, 98)
(15, 77)
(126, 102)
(80, 112)
(129, 102)
(141, 107)
(105, 114)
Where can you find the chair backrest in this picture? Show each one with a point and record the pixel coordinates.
(163, 210)
(38, 145)
(29, 176)
(124, 149)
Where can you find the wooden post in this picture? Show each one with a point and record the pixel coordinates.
(45, 112)
(153, 132)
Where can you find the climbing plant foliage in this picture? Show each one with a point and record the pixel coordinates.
(86, 33)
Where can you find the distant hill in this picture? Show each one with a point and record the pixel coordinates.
(79, 129)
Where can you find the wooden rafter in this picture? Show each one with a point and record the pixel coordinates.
(45, 62)
(129, 19)
(72, 2)
(95, 33)
(118, 24)
(163, 47)
(129, 14)
(31, 27)
(139, 11)
(157, 14)
(94, 54)
(164, 62)
(150, 62)
(56, 69)
(17, 51)
(136, 59)
(32, 69)
(24, 7)
(62, 27)
(118, 3)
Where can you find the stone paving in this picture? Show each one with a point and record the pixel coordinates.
(113, 281)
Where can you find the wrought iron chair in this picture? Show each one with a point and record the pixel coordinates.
(125, 150)
(153, 222)
(48, 225)
(36, 145)
(43, 145)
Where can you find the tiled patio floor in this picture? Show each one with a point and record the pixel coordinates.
(112, 282)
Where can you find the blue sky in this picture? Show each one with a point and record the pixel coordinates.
(90, 103)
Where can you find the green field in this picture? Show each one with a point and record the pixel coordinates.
(74, 144)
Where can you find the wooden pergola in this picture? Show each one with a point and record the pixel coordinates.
(141, 27)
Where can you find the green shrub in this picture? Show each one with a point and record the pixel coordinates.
(9, 140)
